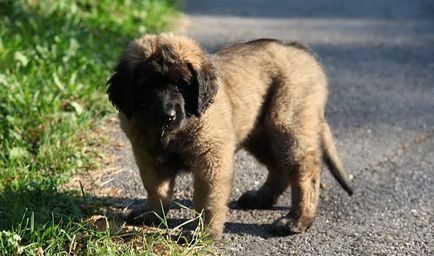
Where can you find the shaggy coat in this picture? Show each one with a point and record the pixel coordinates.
(185, 110)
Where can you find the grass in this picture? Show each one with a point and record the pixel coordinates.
(55, 57)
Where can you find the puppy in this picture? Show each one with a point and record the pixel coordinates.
(185, 110)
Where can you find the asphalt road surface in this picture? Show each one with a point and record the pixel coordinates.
(379, 55)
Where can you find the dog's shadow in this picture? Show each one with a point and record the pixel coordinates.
(262, 230)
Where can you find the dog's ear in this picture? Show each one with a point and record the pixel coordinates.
(120, 89)
(205, 86)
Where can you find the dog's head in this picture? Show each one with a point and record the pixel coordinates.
(162, 81)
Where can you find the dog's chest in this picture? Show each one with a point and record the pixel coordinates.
(172, 160)
(169, 159)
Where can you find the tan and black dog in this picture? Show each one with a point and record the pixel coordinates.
(185, 110)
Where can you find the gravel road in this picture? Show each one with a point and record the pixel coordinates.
(379, 56)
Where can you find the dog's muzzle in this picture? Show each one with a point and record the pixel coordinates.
(169, 116)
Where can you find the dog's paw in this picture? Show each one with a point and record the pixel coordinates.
(253, 199)
(288, 225)
(142, 216)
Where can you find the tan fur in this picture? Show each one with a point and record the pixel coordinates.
(271, 101)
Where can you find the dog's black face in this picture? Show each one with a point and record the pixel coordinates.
(159, 101)
(161, 92)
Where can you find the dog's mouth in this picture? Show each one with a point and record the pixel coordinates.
(167, 133)
(167, 128)
(164, 129)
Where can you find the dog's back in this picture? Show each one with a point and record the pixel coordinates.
(270, 69)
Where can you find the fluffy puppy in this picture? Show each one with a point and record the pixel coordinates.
(185, 110)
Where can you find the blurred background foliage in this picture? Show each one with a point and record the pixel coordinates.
(55, 58)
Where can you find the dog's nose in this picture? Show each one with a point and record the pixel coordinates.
(170, 115)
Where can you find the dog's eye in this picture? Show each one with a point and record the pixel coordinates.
(181, 86)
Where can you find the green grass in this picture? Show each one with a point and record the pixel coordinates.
(55, 57)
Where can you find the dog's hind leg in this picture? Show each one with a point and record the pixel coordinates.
(297, 146)
(305, 180)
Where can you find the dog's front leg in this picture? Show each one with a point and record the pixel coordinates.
(213, 173)
(160, 190)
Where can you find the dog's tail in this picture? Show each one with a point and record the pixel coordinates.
(332, 160)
